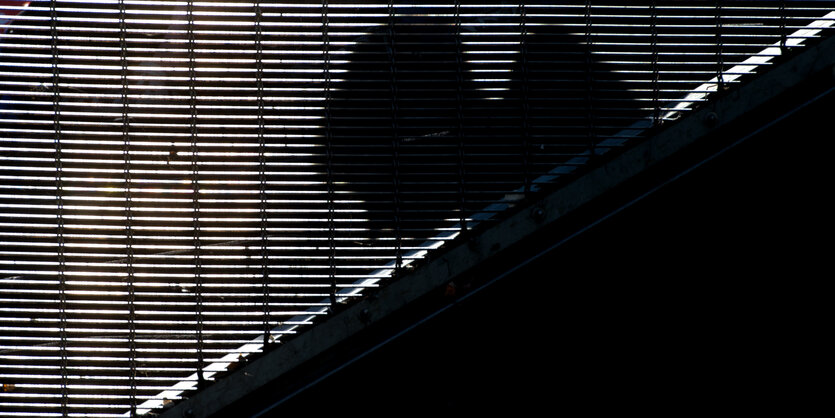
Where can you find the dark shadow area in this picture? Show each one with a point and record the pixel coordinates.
(679, 303)
(432, 117)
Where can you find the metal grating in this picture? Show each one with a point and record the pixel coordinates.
(184, 183)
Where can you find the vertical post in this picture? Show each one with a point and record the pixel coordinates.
(262, 174)
(720, 64)
(128, 208)
(395, 141)
(523, 51)
(656, 104)
(195, 172)
(783, 34)
(329, 155)
(591, 139)
(59, 200)
(459, 98)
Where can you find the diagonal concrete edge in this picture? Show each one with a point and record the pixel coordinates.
(516, 228)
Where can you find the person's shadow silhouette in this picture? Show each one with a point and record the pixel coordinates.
(434, 117)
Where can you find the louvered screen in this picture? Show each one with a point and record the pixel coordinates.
(183, 181)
